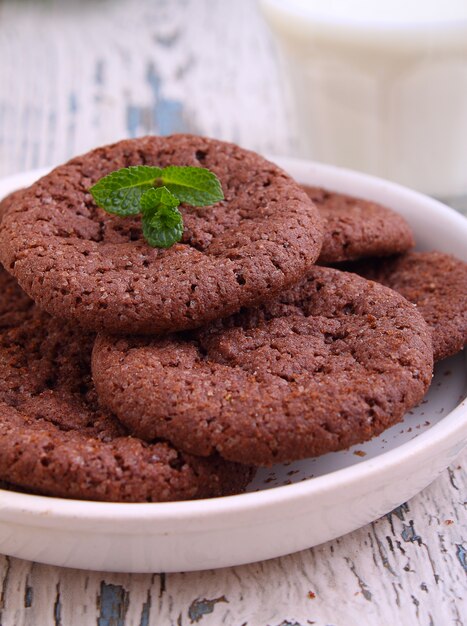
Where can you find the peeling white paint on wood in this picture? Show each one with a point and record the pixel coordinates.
(78, 74)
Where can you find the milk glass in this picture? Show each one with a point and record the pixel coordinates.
(380, 86)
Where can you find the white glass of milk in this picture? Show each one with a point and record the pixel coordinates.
(380, 86)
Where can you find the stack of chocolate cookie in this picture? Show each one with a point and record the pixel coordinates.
(140, 374)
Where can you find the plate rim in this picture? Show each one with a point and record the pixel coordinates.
(43, 508)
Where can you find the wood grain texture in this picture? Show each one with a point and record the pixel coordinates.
(79, 74)
(74, 75)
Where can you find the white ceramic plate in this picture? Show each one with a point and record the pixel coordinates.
(289, 507)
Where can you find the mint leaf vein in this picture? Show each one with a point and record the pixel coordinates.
(119, 193)
(194, 185)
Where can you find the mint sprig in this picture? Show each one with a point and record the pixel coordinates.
(156, 193)
(162, 221)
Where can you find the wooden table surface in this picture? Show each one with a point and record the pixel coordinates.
(78, 74)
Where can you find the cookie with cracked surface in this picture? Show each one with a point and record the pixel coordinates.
(54, 438)
(80, 263)
(436, 283)
(9, 200)
(331, 363)
(356, 228)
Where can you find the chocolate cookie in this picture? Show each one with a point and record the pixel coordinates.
(82, 264)
(54, 438)
(437, 284)
(355, 228)
(9, 201)
(332, 362)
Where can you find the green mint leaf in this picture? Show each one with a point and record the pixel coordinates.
(156, 193)
(163, 235)
(162, 221)
(120, 192)
(193, 185)
(153, 199)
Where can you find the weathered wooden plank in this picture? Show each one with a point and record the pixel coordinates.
(130, 69)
